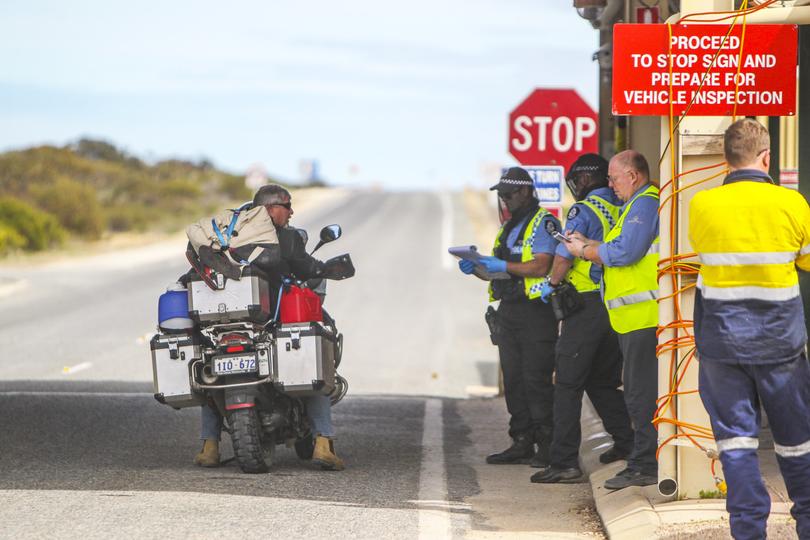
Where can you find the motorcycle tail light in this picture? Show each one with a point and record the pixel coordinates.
(235, 348)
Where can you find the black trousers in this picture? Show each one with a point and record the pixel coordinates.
(640, 392)
(588, 360)
(528, 332)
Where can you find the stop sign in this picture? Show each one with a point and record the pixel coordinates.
(552, 127)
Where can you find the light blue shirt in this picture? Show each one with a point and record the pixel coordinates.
(542, 242)
(581, 218)
(639, 230)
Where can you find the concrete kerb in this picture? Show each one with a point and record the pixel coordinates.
(637, 512)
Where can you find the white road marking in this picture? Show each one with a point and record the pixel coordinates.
(447, 229)
(69, 370)
(77, 394)
(434, 516)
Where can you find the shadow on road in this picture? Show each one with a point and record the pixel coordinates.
(113, 436)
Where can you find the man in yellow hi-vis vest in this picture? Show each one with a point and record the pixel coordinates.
(524, 249)
(750, 328)
(629, 257)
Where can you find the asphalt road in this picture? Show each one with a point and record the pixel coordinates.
(87, 452)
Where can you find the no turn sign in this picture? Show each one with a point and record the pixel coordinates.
(552, 127)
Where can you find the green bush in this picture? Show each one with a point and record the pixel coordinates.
(10, 240)
(182, 188)
(122, 218)
(75, 205)
(234, 187)
(39, 229)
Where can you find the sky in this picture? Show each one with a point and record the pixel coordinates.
(408, 95)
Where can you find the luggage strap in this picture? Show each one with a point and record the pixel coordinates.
(225, 241)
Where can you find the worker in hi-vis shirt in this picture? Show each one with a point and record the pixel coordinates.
(750, 332)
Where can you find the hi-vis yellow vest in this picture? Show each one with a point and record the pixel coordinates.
(531, 285)
(738, 262)
(580, 273)
(631, 291)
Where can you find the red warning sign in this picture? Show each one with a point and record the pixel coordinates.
(708, 71)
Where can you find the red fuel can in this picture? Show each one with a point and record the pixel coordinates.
(300, 305)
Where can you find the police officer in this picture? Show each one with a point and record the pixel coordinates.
(587, 354)
(525, 249)
(750, 327)
(629, 256)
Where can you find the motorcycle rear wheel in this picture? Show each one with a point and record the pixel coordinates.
(305, 447)
(254, 449)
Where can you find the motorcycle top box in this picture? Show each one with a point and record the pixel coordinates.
(247, 298)
(305, 359)
(172, 356)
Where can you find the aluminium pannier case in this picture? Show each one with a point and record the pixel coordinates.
(305, 359)
(172, 356)
(244, 299)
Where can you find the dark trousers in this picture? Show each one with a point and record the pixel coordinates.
(732, 394)
(588, 360)
(640, 393)
(528, 331)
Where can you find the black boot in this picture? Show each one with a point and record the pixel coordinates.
(521, 451)
(542, 458)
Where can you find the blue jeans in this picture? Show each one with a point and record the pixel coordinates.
(319, 412)
(732, 394)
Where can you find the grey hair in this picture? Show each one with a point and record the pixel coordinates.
(271, 194)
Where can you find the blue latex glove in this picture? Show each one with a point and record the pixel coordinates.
(493, 264)
(466, 266)
(545, 291)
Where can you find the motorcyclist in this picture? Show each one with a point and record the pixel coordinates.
(287, 257)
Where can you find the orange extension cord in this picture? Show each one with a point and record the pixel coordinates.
(679, 265)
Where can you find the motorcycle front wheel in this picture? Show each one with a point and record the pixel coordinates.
(254, 449)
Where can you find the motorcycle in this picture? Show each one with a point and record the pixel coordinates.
(254, 362)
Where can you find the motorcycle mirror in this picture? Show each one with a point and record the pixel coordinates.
(330, 233)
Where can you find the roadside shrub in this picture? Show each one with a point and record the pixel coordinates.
(10, 240)
(123, 218)
(234, 187)
(75, 205)
(39, 229)
(182, 188)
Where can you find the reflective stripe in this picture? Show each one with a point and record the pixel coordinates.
(805, 250)
(632, 299)
(655, 248)
(610, 218)
(734, 259)
(792, 451)
(738, 443)
(749, 292)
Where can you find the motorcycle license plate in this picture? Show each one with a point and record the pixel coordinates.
(235, 364)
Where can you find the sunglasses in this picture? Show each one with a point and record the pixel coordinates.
(287, 205)
(506, 195)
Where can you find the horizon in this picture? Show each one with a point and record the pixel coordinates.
(404, 97)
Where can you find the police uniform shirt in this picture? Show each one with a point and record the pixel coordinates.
(638, 232)
(542, 241)
(581, 218)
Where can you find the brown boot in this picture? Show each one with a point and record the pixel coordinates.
(324, 455)
(209, 455)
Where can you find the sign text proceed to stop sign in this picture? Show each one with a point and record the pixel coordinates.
(552, 126)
